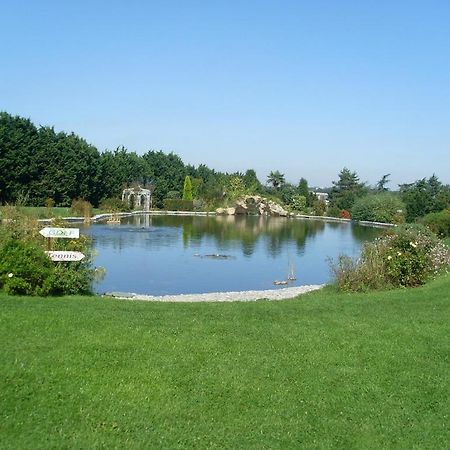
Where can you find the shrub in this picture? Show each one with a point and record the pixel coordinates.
(178, 205)
(333, 211)
(344, 214)
(438, 222)
(407, 257)
(81, 207)
(187, 188)
(386, 208)
(25, 269)
(49, 203)
(319, 207)
(113, 205)
(298, 203)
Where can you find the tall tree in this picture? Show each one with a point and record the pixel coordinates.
(346, 190)
(424, 196)
(381, 184)
(276, 179)
(187, 188)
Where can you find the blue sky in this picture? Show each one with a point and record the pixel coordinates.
(305, 87)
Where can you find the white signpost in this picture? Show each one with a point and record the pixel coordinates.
(67, 233)
(65, 256)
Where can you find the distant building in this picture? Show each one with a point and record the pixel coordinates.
(322, 196)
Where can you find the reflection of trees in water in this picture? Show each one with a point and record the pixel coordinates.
(364, 233)
(248, 230)
(225, 231)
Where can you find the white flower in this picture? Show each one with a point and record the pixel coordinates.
(10, 275)
(399, 253)
(413, 244)
(389, 257)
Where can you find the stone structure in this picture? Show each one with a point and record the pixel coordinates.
(138, 197)
(254, 205)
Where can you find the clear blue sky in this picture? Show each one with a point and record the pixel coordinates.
(305, 87)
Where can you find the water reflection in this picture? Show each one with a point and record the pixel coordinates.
(154, 254)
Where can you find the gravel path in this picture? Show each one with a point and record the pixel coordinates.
(243, 296)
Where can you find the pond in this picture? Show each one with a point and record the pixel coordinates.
(161, 255)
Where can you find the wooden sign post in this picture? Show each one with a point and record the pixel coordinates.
(65, 233)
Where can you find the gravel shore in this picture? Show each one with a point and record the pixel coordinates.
(242, 296)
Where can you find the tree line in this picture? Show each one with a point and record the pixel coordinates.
(38, 165)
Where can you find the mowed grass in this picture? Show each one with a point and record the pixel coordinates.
(324, 370)
(41, 212)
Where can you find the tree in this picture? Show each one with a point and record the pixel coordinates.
(303, 188)
(381, 185)
(346, 190)
(235, 188)
(187, 188)
(276, 179)
(252, 184)
(424, 196)
(382, 207)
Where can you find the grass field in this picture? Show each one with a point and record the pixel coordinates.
(41, 212)
(324, 370)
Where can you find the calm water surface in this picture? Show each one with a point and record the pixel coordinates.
(169, 254)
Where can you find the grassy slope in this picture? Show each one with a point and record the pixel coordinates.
(346, 371)
(41, 212)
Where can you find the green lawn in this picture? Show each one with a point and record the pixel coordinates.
(325, 370)
(41, 212)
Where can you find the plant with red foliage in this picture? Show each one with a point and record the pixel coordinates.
(344, 214)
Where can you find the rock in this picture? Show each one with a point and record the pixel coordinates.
(254, 205)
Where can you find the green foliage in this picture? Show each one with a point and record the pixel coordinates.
(174, 195)
(252, 184)
(387, 208)
(49, 203)
(23, 267)
(178, 205)
(424, 196)
(236, 188)
(187, 188)
(276, 179)
(381, 184)
(319, 207)
(81, 208)
(346, 190)
(114, 205)
(298, 203)
(26, 270)
(408, 257)
(438, 222)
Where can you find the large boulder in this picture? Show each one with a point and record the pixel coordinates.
(254, 205)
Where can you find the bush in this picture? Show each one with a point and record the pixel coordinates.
(386, 208)
(178, 205)
(81, 207)
(113, 205)
(298, 203)
(344, 214)
(438, 222)
(408, 257)
(25, 269)
(319, 207)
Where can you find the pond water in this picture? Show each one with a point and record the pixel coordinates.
(161, 255)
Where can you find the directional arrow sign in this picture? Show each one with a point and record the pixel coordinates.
(68, 233)
(65, 256)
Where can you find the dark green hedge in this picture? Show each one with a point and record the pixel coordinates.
(171, 204)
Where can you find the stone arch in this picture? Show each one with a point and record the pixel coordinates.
(138, 197)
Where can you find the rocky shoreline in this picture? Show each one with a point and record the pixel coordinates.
(241, 296)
